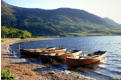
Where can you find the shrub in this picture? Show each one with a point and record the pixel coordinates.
(5, 74)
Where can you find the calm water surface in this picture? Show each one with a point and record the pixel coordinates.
(109, 69)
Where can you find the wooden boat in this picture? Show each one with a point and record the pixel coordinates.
(38, 52)
(73, 53)
(62, 56)
(34, 52)
(55, 51)
(39, 49)
(85, 60)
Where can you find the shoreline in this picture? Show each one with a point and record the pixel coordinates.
(24, 71)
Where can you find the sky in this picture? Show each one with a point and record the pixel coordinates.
(102, 8)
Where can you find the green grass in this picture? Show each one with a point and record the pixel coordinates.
(6, 39)
(6, 75)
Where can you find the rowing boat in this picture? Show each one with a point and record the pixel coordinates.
(85, 60)
(61, 56)
(73, 53)
(34, 52)
(39, 52)
(55, 51)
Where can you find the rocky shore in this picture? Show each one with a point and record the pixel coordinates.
(24, 71)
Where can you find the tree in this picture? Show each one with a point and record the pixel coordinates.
(8, 32)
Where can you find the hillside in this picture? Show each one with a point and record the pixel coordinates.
(113, 23)
(55, 22)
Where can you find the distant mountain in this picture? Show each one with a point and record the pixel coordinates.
(55, 22)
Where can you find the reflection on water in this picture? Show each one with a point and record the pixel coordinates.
(108, 69)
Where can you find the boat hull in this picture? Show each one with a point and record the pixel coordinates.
(29, 54)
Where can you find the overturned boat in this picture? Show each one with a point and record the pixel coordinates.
(85, 60)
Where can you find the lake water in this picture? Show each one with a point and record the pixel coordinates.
(109, 69)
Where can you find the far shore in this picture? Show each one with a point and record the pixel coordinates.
(24, 71)
(27, 39)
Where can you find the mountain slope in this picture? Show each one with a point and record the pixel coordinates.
(113, 23)
(54, 22)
